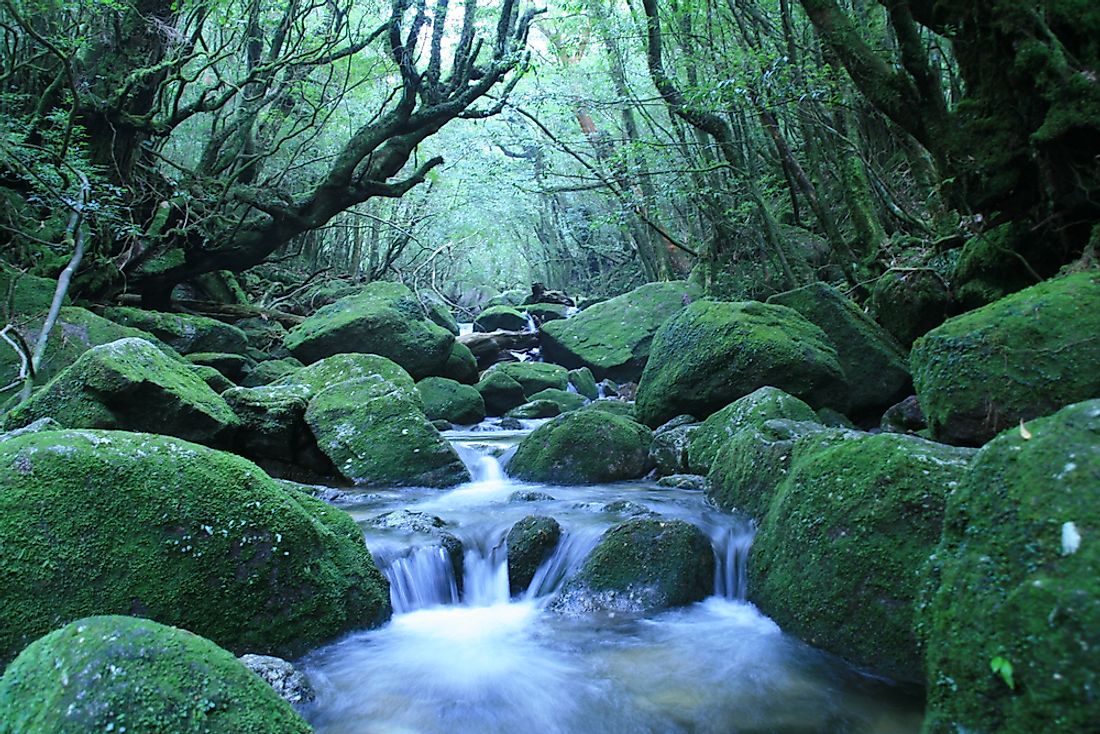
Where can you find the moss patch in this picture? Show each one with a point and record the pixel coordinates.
(583, 447)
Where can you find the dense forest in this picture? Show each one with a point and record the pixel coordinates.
(770, 314)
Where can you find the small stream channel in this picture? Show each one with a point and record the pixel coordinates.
(466, 657)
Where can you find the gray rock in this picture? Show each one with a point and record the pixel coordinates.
(290, 683)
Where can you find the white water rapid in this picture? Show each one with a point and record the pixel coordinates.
(462, 655)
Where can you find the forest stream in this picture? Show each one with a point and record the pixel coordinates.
(481, 660)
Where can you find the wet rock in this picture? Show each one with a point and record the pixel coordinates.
(905, 417)
(500, 317)
(535, 409)
(461, 366)
(529, 495)
(530, 542)
(583, 447)
(684, 481)
(114, 673)
(621, 408)
(669, 449)
(273, 427)
(409, 521)
(534, 377)
(565, 400)
(288, 682)
(628, 508)
(1016, 577)
(584, 383)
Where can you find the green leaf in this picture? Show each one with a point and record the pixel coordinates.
(1003, 668)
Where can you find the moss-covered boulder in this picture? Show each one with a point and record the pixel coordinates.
(461, 365)
(23, 295)
(512, 297)
(715, 352)
(107, 522)
(642, 566)
(565, 400)
(838, 556)
(76, 331)
(1011, 623)
(451, 401)
(909, 304)
(438, 312)
(1019, 358)
(186, 333)
(583, 447)
(500, 392)
(671, 440)
(763, 404)
(232, 366)
(544, 312)
(613, 338)
(534, 376)
(530, 542)
(376, 435)
(269, 371)
(500, 317)
(214, 380)
(622, 408)
(115, 674)
(343, 367)
(265, 336)
(133, 385)
(382, 318)
(872, 360)
(535, 409)
(584, 382)
(273, 431)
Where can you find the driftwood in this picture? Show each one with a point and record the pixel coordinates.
(487, 346)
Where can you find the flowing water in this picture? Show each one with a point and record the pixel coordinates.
(463, 656)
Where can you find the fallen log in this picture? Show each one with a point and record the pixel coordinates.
(487, 346)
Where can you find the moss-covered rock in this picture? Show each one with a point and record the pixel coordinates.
(642, 566)
(500, 392)
(870, 357)
(382, 318)
(500, 317)
(451, 401)
(613, 338)
(584, 383)
(24, 295)
(343, 367)
(1022, 357)
(76, 331)
(114, 673)
(461, 365)
(838, 556)
(534, 376)
(438, 312)
(185, 333)
(273, 430)
(376, 435)
(671, 440)
(763, 404)
(513, 297)
(530, 542)
(535, 409)
(584, 447)
(909, 304)
(545, 312)
(264, 335)
(214, 380)
(133, 385)
(565, 400)
(622, 408)
(270, 370)
(232, 366)
(714, 352)
(1016, 579)
(107, 522)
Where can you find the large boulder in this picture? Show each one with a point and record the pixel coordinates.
(115, 674)
(534, 376)
(500, 317)
(763, 404)
(714, 352)
(438, 311)
(565, 400)
(461, 365)
(382, 318)
(186, 333)
(273, 430)
(132, 385)
(583, 447)
(669, 450)
(613, 338)
(1011, 623)
(500, 392)
(376, 435)
(535, 409)
(107, 522)
(837, 558)
(584, 382)
(1019, 358)
(909, 304)
(872, 360)
(642, 566)
(343, 367)
(451, 401)
(530, 542)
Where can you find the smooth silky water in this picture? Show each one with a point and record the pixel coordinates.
(474, 660)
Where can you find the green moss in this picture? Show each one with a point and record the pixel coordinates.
(451, 401)
(535, 409)
(988, 268)
(461, 365)
(613, 338)
(24, 295)
(643, 565)
(233, 366)
(583, 447)
(382, 318)
(103, 522)
(133, 385)
(838, 555)
(500, 317)
(270, 371)
(763, 404)
(909, 304)
(530, 542)
(343, 367)
(713, 353)
(621, 408)
(1022, 357)
(215, 380)
(376, 434)
(500, 392)
(565, 400)
(1017, 576)
(584, 382)
(112, 673)
(534, 376)
(186, 333)
(438, 312)
(508, 298)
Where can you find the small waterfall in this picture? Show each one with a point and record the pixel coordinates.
(465, 327)
(731, 550)
(485, 465)
(485, 571)
(532, 327)
(422, 578)
(571, 311)
(601, 392)
(566, 560)
(572, 388)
